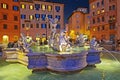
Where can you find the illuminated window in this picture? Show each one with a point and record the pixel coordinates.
(23, 6)
(102, 11)
(43, 7)
(98, 12)
(49, 8)
(93, 6)
(5, 6)
(16, 38)
(94, 29)
(31, 7)
(31, 17)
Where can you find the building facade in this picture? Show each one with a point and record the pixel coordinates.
(103, 18)
(9, 21)
(34, 17)
(78, 23)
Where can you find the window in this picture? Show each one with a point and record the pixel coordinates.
(93, 6)
(57, 8)
(112, 38)
(4, 6)
(110, 8)
(113, 7)
(37, 25)
(102, 11)
(5, 17)
(37, 6)
(58, 17)
(98, 20)
(93, 13)
(93, 21)
(31, 7)
(31, 17)
(98, 12)
(15, 27)
(15, 0)
(103, 27)
(114, 17)
(43, 16)
(37, 16)
(43, 25)
(23, 16)
(23, 6)
(49, 16)
(31, 25)
(112, 26)
(58, 26)
(102, 2)
(98, 4)
(49, 8)
(103, 19)
(23, 25)
(15, 8)
(43, 7)
(98, 28)
(15, 18)
(4, 26)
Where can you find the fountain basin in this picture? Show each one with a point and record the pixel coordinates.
(57, 62)
(93, 57)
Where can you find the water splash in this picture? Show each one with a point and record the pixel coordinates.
(111, 55)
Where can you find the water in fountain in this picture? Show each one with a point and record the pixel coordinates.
(110, 54)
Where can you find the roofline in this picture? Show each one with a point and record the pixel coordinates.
(75, 12)
(91, 1)
(41, 1)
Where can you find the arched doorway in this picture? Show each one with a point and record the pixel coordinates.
(5, 39)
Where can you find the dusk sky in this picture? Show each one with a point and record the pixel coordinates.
(71, 5)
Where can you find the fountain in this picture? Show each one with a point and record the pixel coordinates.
(93, 56)
(62, 57)
(58, 55)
